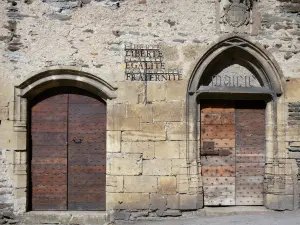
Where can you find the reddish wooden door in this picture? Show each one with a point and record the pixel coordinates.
(250, 152)
(232, 152)
(68, 166)
(218, 152)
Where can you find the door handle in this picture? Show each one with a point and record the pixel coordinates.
(77, 141)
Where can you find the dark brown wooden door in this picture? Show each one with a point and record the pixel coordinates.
(68, 166)
(232, 152)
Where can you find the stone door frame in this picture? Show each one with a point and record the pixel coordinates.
(24, 93)
(259, 61)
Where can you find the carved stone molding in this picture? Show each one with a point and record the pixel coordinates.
(56, 78)
(238, 16)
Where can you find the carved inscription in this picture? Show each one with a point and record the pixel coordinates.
(145, 63)
(234, 81)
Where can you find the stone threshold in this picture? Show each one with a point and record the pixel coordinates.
(64, 217)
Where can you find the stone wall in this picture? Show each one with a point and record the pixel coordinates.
(147, 166)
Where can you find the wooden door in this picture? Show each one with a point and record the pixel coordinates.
(232, 152)
(250, 152)
(86, 153)
(68, 165)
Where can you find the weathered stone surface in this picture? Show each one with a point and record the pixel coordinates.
(179, 166)
(188, 202)
(167, 150)
(129, 92)
(114, 183)
(173, 201)
(8, 214)
(144, 112)
(158, 202)
(113, 141)
(279, 202)
(158, 167)
(136, 184)
(123, 123)
(172, 213)
(135, 215)
(118, 110)
(121, 215)
(148, 132)
(176, 131)
(156, 92)
(182, 184)
(127, 201)
(170, 111)
(125, 165)
(146, 148)
(174, 91)
(167, 185)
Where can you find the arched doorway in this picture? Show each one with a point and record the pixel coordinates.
(232, 104)
(63, 112)
(68, 150)
(232, 151)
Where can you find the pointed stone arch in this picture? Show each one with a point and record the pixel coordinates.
(245, 53)
(231, 50)
(60, 77)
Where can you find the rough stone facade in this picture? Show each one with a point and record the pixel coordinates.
(153, 166)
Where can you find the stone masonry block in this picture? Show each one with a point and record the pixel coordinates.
(176, 90)
(146, 148)
(144, 112)
(168, 111)
(123, 123)
(182, 184)
(116, 110)
(188, 202)
(279, 202)
(148, 132)
(158, 201)
(158, 167)
(138, 184)
(167, 149)
(126, 165)
(173, 201)
(179, 166)
(176, 131)
(129, 92)
(167, 185)
(127, 201)
(156, 92)
(113, 141)
(114, 183)
(3, 113)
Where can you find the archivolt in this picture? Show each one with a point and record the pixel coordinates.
(56, 78)
(251, 55)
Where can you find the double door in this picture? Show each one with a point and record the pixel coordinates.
(232, 152)
(68, 157)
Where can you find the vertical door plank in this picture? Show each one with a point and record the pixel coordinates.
(86, 153)
(218, 152)
(49, 154)
(250, 149)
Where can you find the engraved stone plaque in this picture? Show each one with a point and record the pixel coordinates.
(239, 16)
(234, 76)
